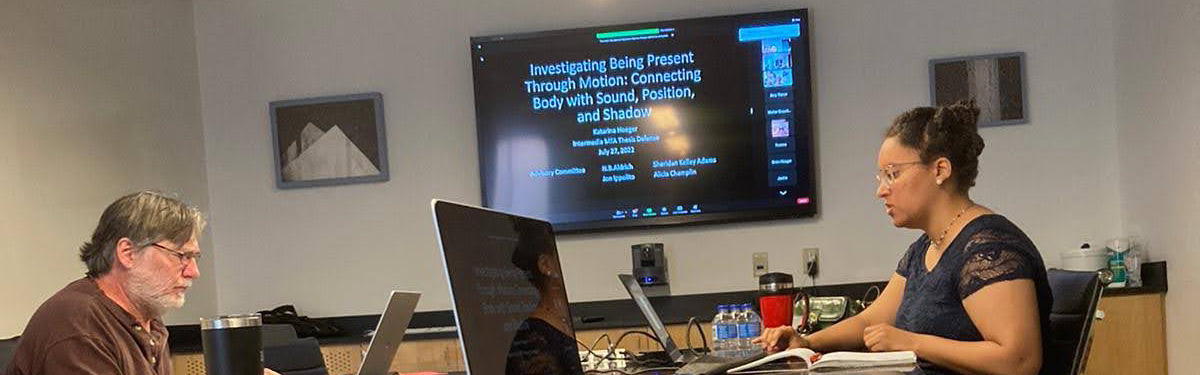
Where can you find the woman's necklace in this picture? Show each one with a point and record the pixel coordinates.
(942, 237)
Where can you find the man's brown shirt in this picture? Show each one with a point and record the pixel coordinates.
(81, 331)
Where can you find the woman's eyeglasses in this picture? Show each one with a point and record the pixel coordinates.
(888, 175)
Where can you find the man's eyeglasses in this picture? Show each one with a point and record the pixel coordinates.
(888, 175)
(183, 256)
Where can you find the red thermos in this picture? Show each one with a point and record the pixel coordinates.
(775, 298)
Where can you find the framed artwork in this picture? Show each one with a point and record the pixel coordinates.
(996, 82)
(332, 140)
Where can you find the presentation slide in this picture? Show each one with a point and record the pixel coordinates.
(670, 122)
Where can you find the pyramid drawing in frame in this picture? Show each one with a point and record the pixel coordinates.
(332, 140)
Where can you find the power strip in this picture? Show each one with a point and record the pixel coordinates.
(619, 360)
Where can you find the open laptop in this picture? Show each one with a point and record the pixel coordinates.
(389, 332)
(702, 362)
(507, 292)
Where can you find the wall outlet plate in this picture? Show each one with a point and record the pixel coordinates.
(811, 256)
(760, 264)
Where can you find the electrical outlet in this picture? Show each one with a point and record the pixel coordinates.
(811, 257)
(760, 264)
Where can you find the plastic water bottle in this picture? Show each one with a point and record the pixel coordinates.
(731, 337)
(724, 331)
(743, 337)
(733, 343)
(717, 343)
(750, 329)
(1133, 267)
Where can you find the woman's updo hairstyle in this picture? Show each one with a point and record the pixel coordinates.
(947, 131)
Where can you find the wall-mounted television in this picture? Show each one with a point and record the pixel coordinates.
(660, 123)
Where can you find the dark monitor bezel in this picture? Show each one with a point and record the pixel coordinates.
(800, 211)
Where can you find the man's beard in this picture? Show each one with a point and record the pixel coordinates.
(148, 293)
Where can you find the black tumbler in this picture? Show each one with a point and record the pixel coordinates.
(232, 344)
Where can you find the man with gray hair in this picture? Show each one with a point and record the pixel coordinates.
(140, 261)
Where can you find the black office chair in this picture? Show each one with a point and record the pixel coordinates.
(289, 355)
(1076, 294)
(278, 334)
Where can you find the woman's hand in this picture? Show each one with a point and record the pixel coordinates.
(780, 338)
(886, 338)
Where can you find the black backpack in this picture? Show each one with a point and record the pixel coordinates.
(305, 326)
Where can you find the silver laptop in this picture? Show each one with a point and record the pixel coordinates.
(703, 362)
(388, 333)
(656, 325)
(507, 292)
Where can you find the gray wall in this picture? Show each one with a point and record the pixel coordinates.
(102, 98)
(336, 251)
(98, 99)
(1158, 65)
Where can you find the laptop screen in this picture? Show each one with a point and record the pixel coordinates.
(388, 332)
(507, 291)
(643, 303)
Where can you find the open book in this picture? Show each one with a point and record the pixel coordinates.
(835, 360)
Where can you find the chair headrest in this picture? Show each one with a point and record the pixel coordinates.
(1072, 289)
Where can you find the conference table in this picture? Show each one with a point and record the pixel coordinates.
(881, 371)
(909, 370)
(877, 371)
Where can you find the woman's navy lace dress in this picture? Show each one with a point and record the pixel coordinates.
(988, 250)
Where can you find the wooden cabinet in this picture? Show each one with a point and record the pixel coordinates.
(444, 355)
(441, 355)
(1131, 339)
